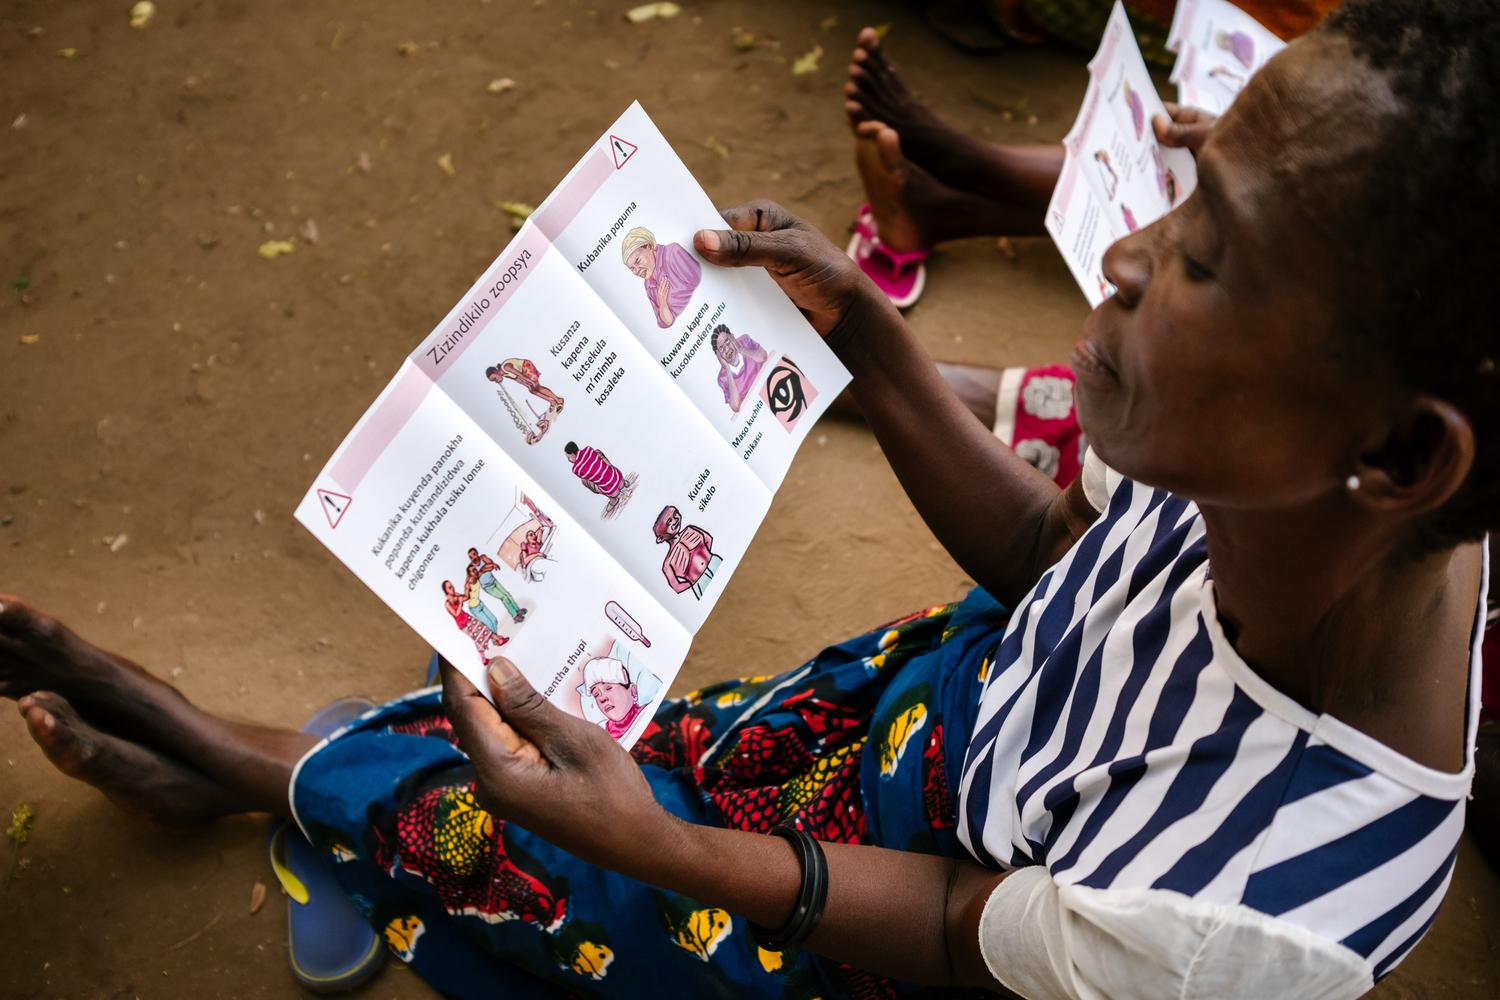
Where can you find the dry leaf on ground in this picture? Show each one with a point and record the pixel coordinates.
(501, 85)
(271, 249)
(716, 146)
(29, 338)
(651, 11)
(445, 164)
(807, 62)
(257, 897)
(21, 822)
(142, 13)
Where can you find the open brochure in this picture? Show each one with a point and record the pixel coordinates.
(1218, 48)
(1116, 177)
(571, 465)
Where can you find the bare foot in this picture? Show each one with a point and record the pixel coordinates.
(39, 653)
(146, 784)
(893, 187)
(1017, 179)
(875, 92)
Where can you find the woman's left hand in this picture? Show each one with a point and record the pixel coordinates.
(553, 773)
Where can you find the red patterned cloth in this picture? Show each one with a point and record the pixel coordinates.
(1034, 414)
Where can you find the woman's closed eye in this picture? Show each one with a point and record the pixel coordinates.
(1195, 269)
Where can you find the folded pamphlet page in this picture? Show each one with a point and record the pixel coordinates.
(1218, 48)
(571, 465)
(1116, 177)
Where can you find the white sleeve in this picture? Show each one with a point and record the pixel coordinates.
(1044, 941)
(1099, 480)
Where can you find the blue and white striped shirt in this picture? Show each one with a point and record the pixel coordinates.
(1124, 744)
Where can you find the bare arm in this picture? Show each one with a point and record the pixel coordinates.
(1003, 521)
(1000, 519)
(911, 916)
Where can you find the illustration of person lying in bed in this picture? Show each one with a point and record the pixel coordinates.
(608, 682)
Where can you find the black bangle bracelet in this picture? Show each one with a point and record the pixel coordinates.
(811, 898)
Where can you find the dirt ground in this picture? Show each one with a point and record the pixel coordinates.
(166, 394)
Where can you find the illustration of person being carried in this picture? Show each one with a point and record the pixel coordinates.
(690, 562)
(597, 473)
(670, 272)
(481, 573)
(486, 642)
(525, 373)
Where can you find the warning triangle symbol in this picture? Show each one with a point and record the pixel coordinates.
(334, 505)
(622, 150)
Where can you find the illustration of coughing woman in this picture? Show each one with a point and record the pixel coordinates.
(670, 273)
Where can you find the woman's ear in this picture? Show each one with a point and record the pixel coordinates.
(1426, 456)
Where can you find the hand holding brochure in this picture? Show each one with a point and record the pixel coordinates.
(1219, 47)
(571, 465)
(1116, 178)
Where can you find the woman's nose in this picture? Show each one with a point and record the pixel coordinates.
(1127, 266)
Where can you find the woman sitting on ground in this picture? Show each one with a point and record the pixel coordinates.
(1220, 747)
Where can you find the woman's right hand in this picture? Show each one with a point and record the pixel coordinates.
(817, 276)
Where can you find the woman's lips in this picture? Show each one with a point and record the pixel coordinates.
(1088, 359)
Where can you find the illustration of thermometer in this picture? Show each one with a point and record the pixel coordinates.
(627, 624)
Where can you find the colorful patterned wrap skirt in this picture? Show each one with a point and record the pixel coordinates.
(861, 744)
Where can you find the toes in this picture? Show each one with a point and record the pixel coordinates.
(888, 141)
(58, 730)
(18, 620)
(868, 38)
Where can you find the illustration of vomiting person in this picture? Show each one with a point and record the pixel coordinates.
(670, 272)
(484, 638)
(524, 373)
(608, 682)
(594, 469)
(690, 562)
(534, 544)
(740, 361)
(482, 572)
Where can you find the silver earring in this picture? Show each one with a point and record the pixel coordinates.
(1352, 484)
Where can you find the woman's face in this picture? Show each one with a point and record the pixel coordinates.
(727, 350)
(1214, 371)
(642, 261)
(614, 700)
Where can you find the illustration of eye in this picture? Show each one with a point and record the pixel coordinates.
(785, 393)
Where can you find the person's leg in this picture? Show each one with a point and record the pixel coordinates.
(485, 616)
(977, 387)
(122, 709)
(497, 590)
(1021, 177)
(142, 782)
(913, 210)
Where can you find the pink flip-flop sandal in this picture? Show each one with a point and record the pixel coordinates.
(900, 274)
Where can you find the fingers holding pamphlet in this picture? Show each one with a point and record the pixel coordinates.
(568, 469)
